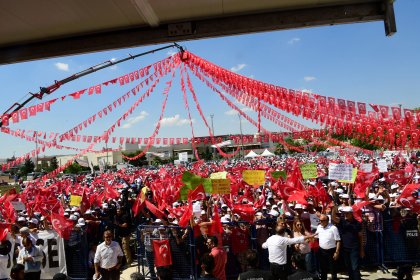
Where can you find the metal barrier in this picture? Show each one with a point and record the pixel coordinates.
(182, 250)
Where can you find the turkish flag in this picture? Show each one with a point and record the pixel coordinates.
(138, 205)
(396, 176)
(32, 111)
(184, 220)
(5, 120)
(357, 210)
(197, 194)
(15, 117)
(40, 107)
(154, 210)
(374, 107)
(162, 252)
(61, 225)
(4, 230)
(363, 180)
(299, 197)
(110, 193)
(396, 113)
(85, 203)
(245, 211)
(408, 197)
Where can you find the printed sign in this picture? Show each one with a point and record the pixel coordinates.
(218, 175)
(220, 186)
(382, 165)
(340, 171)
(308, 171)
(277, 174)
(254, 177)
(353, 177)
(366, 167)
(183, 156)
(75, 200)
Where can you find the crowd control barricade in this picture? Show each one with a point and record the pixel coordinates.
(181, 245)
(77, 258)
(401, 240)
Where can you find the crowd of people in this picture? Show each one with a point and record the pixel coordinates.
(254, 232)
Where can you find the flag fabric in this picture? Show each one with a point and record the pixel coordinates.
(363, 180)
(111, 193)
(185, 219)
(162, 252)
(197, 194)
(357, 210)
(154, 210)
(216, 227)
(245, 211)
(61, 225)
(408, 197)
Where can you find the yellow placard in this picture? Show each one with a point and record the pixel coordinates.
(75, 200)
(220, 186)
(353, 176)
(218, 175)
(308, 170)
(254, 177)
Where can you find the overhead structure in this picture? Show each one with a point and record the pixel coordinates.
(251, 154)
(32, 30)
(267, 153)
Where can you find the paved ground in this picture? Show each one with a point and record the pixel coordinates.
(367, 275)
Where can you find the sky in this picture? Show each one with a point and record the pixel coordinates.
(353, 61)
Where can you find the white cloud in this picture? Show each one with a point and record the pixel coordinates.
(171, 52)
(309, 78)
(131, 121)
(238, 67)
(175, 121)
(293, 41)
(233, 112)
(62, 66)
(307, 90)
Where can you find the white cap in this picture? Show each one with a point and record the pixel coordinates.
(372, 196)
(312, 183)
(21, 219)
(382, 179)
(34, 221)
(74, 208)
(224, 206)
(347, 209)
(175, 204)
(225, 220)
(158, 221)
(76, 214)
(380, 197)
(88, 212)
(339, 190)
(66, 214)
(344, 195)
(394, 186)
(81, 222)
(203, 212)
(393, 195)
(298, 206)
(105, 205)
(273, 213)
(73, 217)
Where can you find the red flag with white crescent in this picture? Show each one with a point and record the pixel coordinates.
(162, 252)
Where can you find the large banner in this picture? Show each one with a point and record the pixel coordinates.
(52, 246)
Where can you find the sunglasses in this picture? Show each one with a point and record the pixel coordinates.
(298, 225)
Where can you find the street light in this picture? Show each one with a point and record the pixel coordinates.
(242, 137)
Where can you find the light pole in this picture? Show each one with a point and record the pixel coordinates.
(36, 150)
(212, 127)
(106, 148)
(242, 137)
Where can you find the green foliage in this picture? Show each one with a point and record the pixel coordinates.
(355, 142)
(279, 149)
(27, 167)
(75, 168)
(137, 162)
(205, 153)
(53, 164)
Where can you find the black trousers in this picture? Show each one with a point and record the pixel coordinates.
(33, 275)
(278, 271)
(110, 275)
(327, 263)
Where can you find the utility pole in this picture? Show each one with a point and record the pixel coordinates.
(106, 147)
(212, 127)
(242, 137)
(36, 150)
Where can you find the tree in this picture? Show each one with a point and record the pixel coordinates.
(279, 149)
(75, 168)
(137, 162)
(53, 164)
(27, 167)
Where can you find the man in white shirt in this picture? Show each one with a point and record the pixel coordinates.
(277, 251)
(329, 247)
(108, 258)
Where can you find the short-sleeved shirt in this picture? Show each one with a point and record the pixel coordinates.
(349, 232)
(107, 256)
(328, 236)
